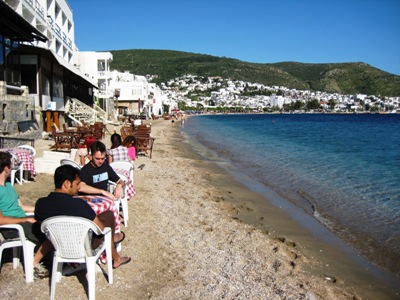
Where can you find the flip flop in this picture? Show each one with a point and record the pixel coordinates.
(123, 237)
(128, 259)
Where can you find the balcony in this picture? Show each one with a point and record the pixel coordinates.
(104, 75)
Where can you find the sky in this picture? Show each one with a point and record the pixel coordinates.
(259, 31)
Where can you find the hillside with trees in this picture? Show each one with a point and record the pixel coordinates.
(343, 78)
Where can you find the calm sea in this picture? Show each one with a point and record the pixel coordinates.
(342, 169)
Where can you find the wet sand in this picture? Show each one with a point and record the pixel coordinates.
(195, 232)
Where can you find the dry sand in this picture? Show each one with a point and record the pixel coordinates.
(194, 233)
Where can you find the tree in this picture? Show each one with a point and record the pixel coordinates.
(332, 103)
(313, 104)
(166, 108)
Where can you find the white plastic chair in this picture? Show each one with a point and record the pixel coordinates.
(16, 243)
(31, 150)
(67, 161)
(123, 165)
(71, 238)
(123, 202)
(16, 166)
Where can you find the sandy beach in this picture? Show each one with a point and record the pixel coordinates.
(196, 233)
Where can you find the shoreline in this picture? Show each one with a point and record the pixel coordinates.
(189, 239)
(386, 257)
(334, 257)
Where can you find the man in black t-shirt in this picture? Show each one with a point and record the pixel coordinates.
(96, 174)
(62, 203)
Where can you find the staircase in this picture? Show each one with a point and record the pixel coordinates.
(79, 111)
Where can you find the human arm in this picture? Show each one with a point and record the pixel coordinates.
(26, 208)
(87, 189)
(114, 177)
(132, 153)
(119, 189)
(11, 220)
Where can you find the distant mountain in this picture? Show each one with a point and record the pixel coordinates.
(345, 78)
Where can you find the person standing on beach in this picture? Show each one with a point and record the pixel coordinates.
(13, 211)
(62, 202)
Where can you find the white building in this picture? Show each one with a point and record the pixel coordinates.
(96, 65)
(54, 19)
(132, 94)
(277, 101)
(45, 65)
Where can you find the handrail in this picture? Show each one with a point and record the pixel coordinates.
(13, 87)
(76, 120)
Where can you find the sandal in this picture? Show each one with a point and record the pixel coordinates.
(124, 262)
(123, 237)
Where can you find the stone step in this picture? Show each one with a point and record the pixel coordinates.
(46, 166)
(50, 161)
(55, 155)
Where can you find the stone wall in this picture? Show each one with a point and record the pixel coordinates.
(16, 107)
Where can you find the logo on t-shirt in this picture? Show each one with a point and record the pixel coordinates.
(100, 177)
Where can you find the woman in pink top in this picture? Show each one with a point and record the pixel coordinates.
(131, 143)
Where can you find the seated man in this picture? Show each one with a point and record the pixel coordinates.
(96, 174)
(61, 202)
(13, 211)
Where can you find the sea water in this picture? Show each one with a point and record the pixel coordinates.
(344, 170)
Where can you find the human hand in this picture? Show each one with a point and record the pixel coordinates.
(108, 194)
(118, 192)
(30, 220)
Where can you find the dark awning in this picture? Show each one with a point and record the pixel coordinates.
(16, 27)
(27, 49)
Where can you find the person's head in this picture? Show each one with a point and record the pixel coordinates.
(5, 161)
(66, 178)
(98, 151)
(130, 141)
(115, 140)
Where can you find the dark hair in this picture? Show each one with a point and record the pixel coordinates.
(65, 172)
(115, 140)
(130, 139)
(97, 146)
(5, 160)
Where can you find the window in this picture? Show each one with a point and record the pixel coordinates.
(101, 65)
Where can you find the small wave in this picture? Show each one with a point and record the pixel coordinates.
(311, 201)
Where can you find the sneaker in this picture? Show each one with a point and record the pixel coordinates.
(40, 271)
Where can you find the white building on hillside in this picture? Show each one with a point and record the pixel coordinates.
(277, 101)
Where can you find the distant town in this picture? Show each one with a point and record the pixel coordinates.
(219, 94)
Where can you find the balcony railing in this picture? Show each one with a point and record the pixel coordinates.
(39, 9)
(57, 29)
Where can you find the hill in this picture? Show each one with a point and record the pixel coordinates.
(345, 78)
